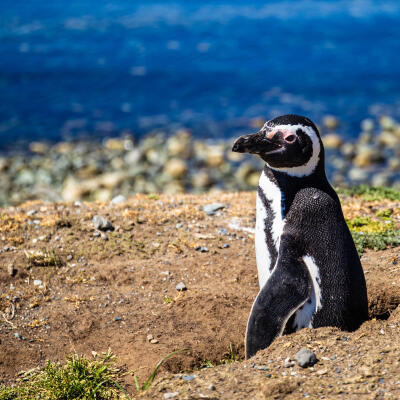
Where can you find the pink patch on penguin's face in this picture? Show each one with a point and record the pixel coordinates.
(288, 135)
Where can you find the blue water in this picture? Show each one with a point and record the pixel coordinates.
(73, 68)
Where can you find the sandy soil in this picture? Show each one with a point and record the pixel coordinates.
(118, 291)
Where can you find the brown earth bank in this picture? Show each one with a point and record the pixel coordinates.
(67, 287)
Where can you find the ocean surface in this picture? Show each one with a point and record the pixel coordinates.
(96, 68)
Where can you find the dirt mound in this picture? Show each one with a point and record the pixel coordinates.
(67, 287)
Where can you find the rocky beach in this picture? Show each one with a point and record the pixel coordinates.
(180, 163)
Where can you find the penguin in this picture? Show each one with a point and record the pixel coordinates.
(309, 270)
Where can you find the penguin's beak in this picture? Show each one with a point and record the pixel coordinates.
(254, 143)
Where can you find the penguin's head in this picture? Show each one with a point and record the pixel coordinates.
(289, 143)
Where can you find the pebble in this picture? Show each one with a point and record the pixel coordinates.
(117, 319)
(367, 125)
(102, 223)
(69, 257)
(37, 282)
(170, 395)
(288, 363)
(330, 122)
(226, 246)
(211, 209)
(212, 387)
(31, 212)
(176, 168)
(188, 377)
(181, 287)
(118, 199)
(104, 236)
(203, 249)
(305, 358)
(332, 141)
(150, 337)
(11, 270)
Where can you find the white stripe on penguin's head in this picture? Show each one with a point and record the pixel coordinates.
(309, 167)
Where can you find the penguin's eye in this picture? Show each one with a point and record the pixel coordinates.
(290, 138)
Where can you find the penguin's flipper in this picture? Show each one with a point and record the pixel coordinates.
(287, 289)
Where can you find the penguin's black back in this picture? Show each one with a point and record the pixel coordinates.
(315, 219)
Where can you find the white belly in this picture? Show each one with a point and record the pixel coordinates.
(304, 315)
(273, 195)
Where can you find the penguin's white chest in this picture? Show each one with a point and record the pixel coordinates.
(269, 227)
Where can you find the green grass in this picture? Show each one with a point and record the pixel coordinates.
(376, 234)
(78, 378)
(376, 241)
(206, 364)
(231, 356)
(150, 379)
(370, 193)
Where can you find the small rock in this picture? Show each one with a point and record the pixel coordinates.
(176, 168)
(170, 395)
(212, 387)
(330, 122)
(332, 141)
(387, 123)
(102, 224)
(104, 236)
(367, 125)
(17, 335)
(31, 212)
(305, 358)
(214, 156)
(37, 282)
(117, 319)
(203, 249)
(69, 257)
(181, 287)
(154, 341)
(211, 209)
(11, 270)
(118, 199)
(96, 234)
(150, 337)
(288, 363)
(226, 246)
(188, 377)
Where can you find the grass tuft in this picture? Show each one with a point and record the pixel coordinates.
(43, 258)
(79, 378)
(371, 193)
(150, 379)
(376, 234)
(231, 356)
(376, 241)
